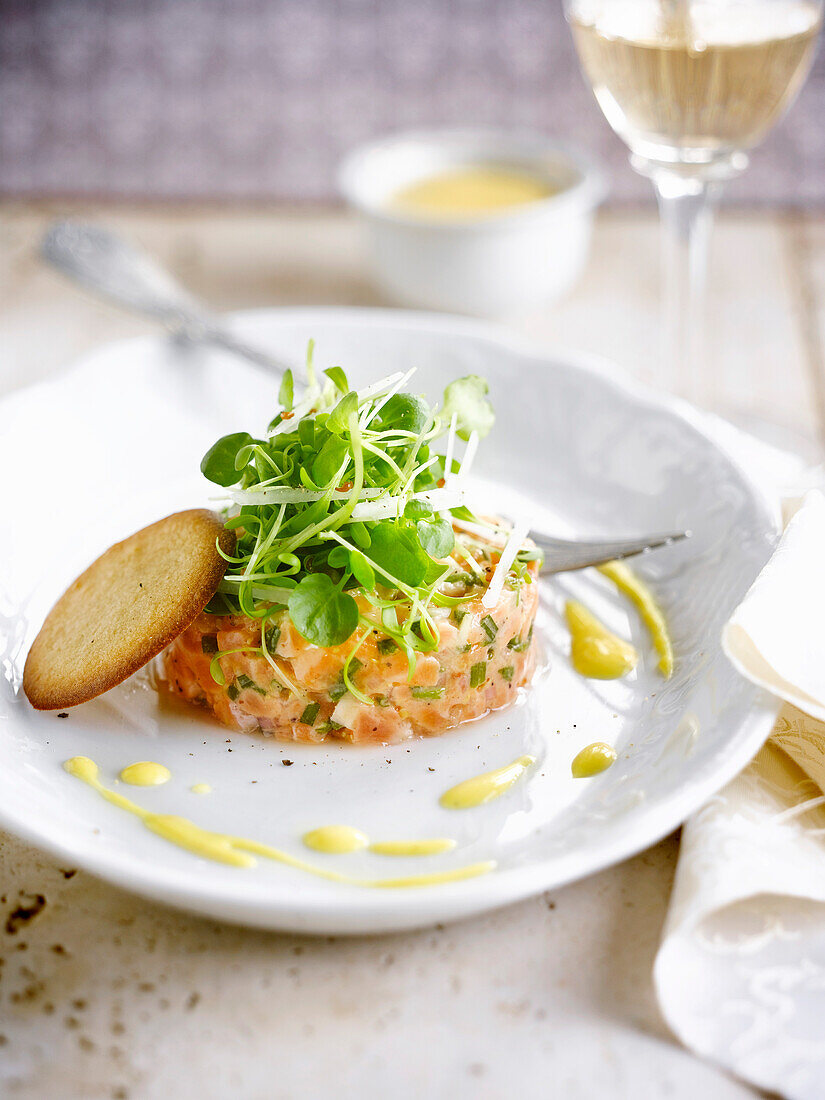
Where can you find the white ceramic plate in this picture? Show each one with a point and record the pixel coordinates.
(116, 442)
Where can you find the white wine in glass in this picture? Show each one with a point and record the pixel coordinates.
(690, 85)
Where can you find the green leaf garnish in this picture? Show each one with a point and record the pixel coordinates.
(329, 460)
(338, 378)
(361, 569)
(218, 464)
(436, 538)
(467, 399)
(339, 419)
(406, 412)
(287, 391)
(398, 553)
(321, 612)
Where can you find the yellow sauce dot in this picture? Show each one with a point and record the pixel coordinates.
(593, 759)
(145, 773)
(335, 839)
(485, 787)
(632, 586)
(595, 651)
(200, 788)
(81, 767)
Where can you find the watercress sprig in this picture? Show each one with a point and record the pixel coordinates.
(343, 509)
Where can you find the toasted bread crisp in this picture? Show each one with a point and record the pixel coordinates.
(128, 606)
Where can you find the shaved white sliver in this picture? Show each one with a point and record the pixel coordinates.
(279, 494)
(496, 536)
(508, 556)
(402, 381)
(469, 455)
(387, 505)
(450, 451)
(392, 507)
(380, 386)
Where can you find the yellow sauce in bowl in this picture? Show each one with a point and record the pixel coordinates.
(470, 192)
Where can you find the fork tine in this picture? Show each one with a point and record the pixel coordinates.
(563, 556)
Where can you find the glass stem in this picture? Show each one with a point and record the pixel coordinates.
(686, 206)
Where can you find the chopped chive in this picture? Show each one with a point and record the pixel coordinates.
(506, 673)
(457, 615)
(386, 646)
(427, 693)
(353, 666)
(490, 627)
(338, 691)
(328, 727)
(310, 713)
(273, 635)
(233, 691)
(517, 644)
(478, 674)
(209, 643)
(247, 684)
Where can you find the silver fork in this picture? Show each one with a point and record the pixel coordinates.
(104, 263)
(563, 556)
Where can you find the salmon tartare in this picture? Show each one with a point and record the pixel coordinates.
(364, 601)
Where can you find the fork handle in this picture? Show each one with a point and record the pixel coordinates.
(102, 262)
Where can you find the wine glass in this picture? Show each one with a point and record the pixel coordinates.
(690, 86)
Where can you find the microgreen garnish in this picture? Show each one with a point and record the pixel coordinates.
(343, 513)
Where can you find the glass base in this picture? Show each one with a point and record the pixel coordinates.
(719, 168)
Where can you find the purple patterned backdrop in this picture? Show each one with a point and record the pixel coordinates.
(259, 98)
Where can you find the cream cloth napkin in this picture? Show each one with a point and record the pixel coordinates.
(740, 972)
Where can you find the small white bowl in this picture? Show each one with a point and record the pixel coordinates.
(497, 263)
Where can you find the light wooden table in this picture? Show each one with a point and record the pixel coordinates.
(105, 995)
